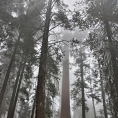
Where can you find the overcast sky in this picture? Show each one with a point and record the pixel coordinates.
(70, 3)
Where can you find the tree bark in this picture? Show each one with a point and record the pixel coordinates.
(8, 72)
(14, 92)
(112, 52)
(82, 78)
(103, 93)
(33, 108)
(94, 108)
(65, 96)
(103, 97)
(92, 94)
(40, 94)
(11, 115)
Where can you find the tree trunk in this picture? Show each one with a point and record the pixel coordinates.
(103, 93)
(92, 94)
(103, 97)
(82, 78)
(8, 72)
(14, 92)
(94, 108)
(112, 51)
(65, 96)
(40, 94)
(33, 108)
(11, 115)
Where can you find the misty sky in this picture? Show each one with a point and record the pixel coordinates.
(70, 3)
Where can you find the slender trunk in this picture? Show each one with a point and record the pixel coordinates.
(33, 108)
(103, 97)
(94, 108)
(83, 97)
(4, 103)
(92, 94)
(40, 94)
(53, 110)
(14, 92)
(113, 96)
(8, 72)
(17, 92)
(112, 51)
(111, 106)
(65, 96)
(103, 93)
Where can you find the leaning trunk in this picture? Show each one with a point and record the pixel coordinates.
(8, 72)
(82, 78)
(40, 94)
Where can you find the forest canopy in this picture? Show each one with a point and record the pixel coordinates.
(57, 62)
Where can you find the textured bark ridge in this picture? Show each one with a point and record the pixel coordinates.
(65, 101)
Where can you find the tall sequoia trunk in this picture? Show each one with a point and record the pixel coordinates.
(65, 96)
(112, 51)
(82, 78)
(14, 92)
(8, 72)
(40, 94)
(11, 115)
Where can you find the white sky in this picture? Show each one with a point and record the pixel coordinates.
(70, 3)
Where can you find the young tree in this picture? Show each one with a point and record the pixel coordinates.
(80, 57)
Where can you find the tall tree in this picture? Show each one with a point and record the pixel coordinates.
(8, 71)
(65, 95)
(106, 16)
(40, 94)
(79, 92)
(82, 79)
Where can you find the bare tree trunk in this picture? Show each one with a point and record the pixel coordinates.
(103, 93)
(8, 72)
(53, 110)
(33, 108)
(94, 108)
(92, 94)
(103, 97)
(14, 92)
(82, 78)
(65, 96)
(40, 94)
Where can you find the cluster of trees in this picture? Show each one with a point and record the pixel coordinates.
(100, 18)
(25, 46)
